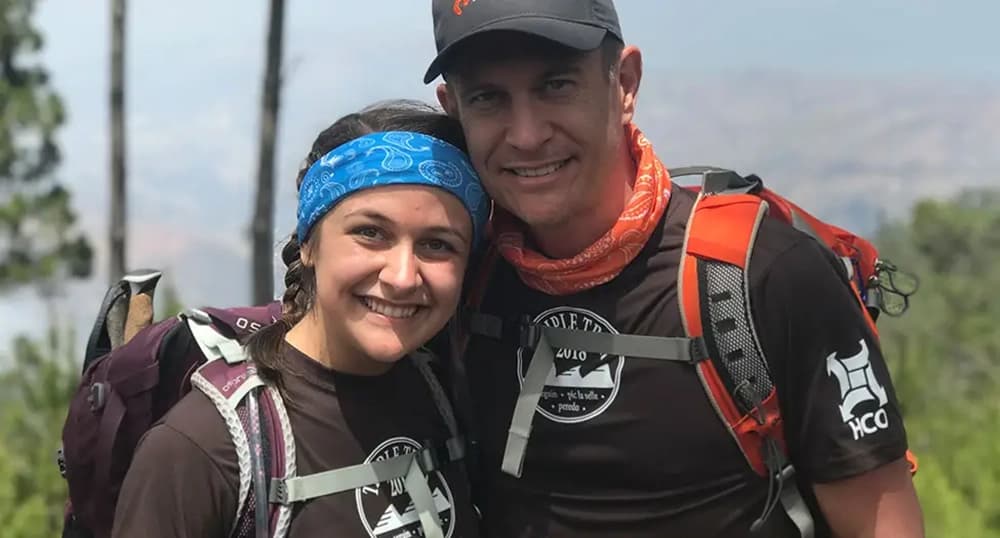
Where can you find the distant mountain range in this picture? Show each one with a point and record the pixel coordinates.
(850, 150)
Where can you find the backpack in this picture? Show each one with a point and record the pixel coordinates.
(721, 341)
(135, 370)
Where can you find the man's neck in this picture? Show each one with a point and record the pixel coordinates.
(570, 239)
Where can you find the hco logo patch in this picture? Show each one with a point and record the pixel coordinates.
(858, 385)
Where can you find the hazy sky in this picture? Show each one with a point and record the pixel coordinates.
(194, 74)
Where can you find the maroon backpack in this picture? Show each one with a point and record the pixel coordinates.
(129, 382)
(136, 370)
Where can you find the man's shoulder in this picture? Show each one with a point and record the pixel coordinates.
(682, 200)
(790, 269)
(778, 244)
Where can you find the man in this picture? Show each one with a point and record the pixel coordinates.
(591, 231)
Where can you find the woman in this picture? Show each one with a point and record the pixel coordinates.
(388, 214)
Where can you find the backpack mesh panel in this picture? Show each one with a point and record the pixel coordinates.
(245, 522)
(729, 336)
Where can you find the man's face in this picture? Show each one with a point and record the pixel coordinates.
(543, 125)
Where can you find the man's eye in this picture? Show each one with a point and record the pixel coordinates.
(439, 245)
(558, 84)
(481, 98)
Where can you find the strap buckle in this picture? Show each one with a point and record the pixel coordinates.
(279, 491)
(529, 334)
(427, 459)
(699, 349)
(455, 447)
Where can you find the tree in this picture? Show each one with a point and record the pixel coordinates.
(945, 358)
(263, 219)
(34, 397)
(37, 236)
(116, 267)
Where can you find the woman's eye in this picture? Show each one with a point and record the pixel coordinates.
(368, 232)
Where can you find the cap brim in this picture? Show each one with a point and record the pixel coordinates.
(574, 35)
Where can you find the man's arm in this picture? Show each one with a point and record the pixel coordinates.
(843, 426)
(881, 503)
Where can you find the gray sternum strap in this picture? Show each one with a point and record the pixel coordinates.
(630, 345)
(407, 466)
(524, 411)
(607, 345)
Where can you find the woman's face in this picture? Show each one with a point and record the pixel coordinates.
(389, 263)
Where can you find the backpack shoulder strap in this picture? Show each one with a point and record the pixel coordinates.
(715, 305)
(455, 445)
(258, 423)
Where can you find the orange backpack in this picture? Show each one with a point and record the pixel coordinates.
(733, 370)
(721, 235)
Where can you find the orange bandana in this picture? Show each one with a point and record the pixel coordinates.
(603, 260)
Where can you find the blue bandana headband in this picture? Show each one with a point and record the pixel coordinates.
(390, 158)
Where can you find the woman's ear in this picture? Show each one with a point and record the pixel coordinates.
(306, 254)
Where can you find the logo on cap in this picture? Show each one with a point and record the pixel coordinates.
(459, 4)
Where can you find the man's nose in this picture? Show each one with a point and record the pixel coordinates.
(528, 128)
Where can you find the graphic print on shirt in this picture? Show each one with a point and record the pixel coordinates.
(386, 509)
(581, 385)
(858, 385)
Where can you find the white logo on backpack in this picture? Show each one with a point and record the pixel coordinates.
(858, 385)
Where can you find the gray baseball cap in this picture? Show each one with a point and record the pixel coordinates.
(578, 24)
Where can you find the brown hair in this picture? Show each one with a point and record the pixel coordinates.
(264, 346)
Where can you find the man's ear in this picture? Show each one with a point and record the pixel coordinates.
(447, 99)
(629, 77)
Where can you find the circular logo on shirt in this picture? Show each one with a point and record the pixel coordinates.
(386, 509)
(581, 385)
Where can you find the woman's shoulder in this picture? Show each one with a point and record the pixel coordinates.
(194, 428)
(196, 417)
(184, 478)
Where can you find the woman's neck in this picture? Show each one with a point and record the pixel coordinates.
(310, 337)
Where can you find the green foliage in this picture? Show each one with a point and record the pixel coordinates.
(945, 357)
(34, 397)
(37, 237)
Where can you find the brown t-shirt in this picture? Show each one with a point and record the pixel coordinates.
(635, 448)
(184, 479)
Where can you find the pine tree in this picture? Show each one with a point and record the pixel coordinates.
(38, 240)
